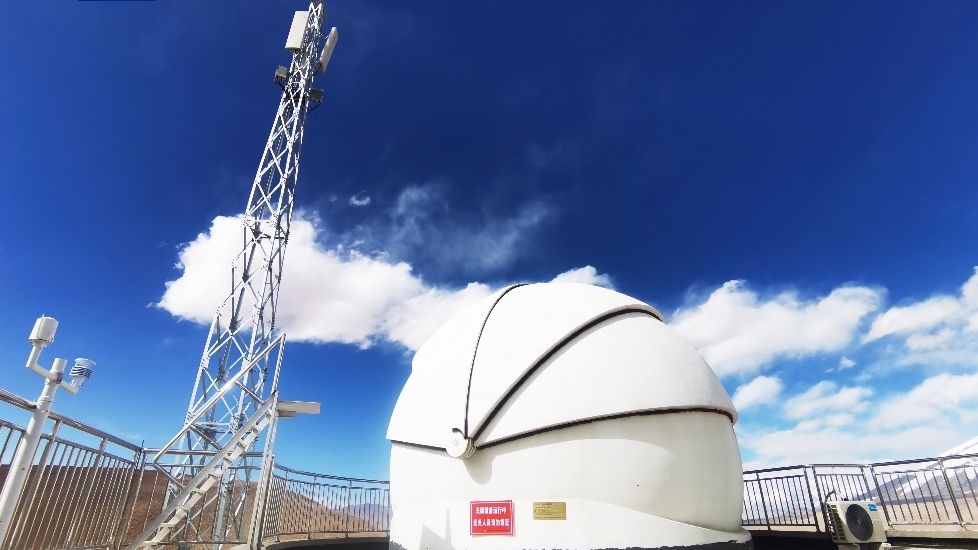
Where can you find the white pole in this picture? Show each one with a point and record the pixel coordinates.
(21, 464)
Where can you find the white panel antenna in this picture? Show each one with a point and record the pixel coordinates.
(334, 35)
(294, 42)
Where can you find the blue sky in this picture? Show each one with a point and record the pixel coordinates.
(792, 184)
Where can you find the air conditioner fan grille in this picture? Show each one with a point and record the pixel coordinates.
(859, 522)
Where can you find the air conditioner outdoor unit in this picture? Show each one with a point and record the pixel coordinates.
(855, 522)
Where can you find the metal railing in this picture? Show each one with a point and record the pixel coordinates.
(88, 489)
(929, 492)
(76, 493)
(91, 490)
(305, 504)
(207, 522)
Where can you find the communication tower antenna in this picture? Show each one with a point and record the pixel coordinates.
(243, 324)
(211, 460)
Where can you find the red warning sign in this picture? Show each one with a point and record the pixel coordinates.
(491, 517)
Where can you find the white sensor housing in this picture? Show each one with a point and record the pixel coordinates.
(81, 371)
(44, 329)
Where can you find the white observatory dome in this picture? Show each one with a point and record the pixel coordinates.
(563, 416)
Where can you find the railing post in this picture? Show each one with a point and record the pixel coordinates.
(122, 526)
(261, 502)
(264, 482)
(388, 509)
(811, 499)
(346, 508)
(879, 495)
(309, 506)
(821, 501)
(950, 490)
(281, 507)
(760, 489)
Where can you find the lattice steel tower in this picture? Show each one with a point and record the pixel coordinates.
(234, 396)
(243, 325)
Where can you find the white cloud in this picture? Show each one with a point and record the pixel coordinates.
(846, 363)
(914, 318)
(830, 421)
(853, 425)
(969, 292)
(937, 332)
(332, 296)
(930, 341)
(737, 331)
(357, 200)
(938, 400)
(585, 275)
(759, 391)
(413, 320)
(205, 262)
(329, 294)
(420, 227)
(840, 445)
(825, 398)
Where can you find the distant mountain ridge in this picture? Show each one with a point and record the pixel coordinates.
(967, 448)
(377, 514)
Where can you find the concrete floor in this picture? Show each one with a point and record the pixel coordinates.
(354, 543)
(812, 541)
(762, 541)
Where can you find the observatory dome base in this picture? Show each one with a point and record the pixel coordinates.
(630, 482)
(624, 529)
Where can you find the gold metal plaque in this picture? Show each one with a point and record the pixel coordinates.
(549, 510)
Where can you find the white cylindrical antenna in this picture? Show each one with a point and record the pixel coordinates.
(297, 32)
(44, 329)
(328, 49)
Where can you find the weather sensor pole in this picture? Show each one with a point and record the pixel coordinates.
(210, 461)
(41, 337)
